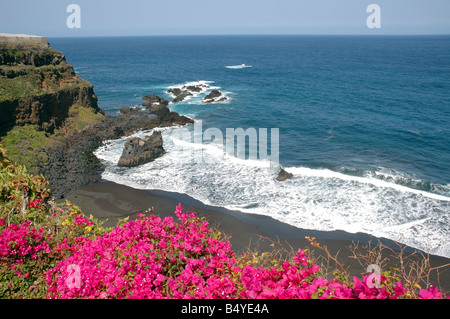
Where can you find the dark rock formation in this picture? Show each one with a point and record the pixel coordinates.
(182, 93)
(214, 96)
(70, 159)
(149, 117)
(158, 107)
(159, 110)
(283, 175)
(153, 99)
(193, 88)
(175, 91)
(181, 97)
(130, 111)
(138, 151)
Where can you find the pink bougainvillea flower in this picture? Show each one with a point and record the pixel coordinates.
(430, 293)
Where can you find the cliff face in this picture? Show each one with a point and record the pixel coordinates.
(37, 85)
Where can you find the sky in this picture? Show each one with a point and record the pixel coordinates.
(208, 17)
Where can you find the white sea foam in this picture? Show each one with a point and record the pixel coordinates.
(364, 180)
(240, 66)
(318, 199)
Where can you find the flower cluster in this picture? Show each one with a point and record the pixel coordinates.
(430, 293)
(18, 241)
(147, 258)
(22, 252)
(301, 280)
(35, 203)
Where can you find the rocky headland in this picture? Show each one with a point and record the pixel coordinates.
(51, 121)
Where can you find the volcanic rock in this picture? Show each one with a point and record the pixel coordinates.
(137, 151)
(283, 175)
(154, 99)
(214, 96)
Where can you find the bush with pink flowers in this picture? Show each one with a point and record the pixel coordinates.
(155, 258)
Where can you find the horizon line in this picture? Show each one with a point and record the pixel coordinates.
(248, 34)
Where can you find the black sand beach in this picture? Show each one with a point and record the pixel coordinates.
(110, 201)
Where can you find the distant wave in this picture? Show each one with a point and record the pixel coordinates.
(395, 177)
(240, 66)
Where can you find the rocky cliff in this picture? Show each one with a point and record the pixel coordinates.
(37, 85)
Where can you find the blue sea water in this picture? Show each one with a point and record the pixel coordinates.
(363, 125)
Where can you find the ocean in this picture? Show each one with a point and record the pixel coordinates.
(363, 126)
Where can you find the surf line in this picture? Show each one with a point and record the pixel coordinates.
(234, 143)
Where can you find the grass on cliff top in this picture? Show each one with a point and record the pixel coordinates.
(33, 81)
(26, 144)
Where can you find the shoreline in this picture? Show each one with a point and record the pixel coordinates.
(112, 201)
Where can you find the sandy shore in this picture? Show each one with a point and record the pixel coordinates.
(110, 201)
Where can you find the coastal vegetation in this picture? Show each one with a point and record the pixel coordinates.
(50, 250)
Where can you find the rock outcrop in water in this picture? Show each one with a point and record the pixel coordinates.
(185, 91)
(214, 96)
(154, 111)
(138, 151)
(180, 95)
(283, 175)
(153, 99)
